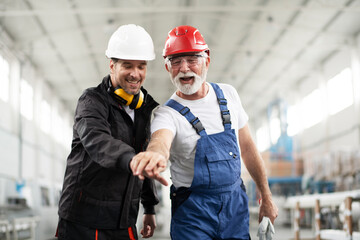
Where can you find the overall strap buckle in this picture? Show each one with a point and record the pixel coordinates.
(197, 125)
(225, 115)
(222, 101)
(185, 111)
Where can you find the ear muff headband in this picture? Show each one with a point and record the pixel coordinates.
(133, 101)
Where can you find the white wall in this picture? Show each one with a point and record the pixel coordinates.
(26, 151)
(335, 133)
(27, 154)
(342, 129)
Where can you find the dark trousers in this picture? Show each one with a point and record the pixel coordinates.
(73, 231)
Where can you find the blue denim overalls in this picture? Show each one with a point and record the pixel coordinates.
(216, 205)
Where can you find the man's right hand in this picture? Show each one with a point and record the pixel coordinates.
(149, 164)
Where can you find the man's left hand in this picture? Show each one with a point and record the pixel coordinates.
(149, 223)
(268, 209)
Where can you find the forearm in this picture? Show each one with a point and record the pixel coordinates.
(158, 145)
(96, 138)
(255, 165)
(256, 168)
(154, 160)
(149, 196)
(253, 162)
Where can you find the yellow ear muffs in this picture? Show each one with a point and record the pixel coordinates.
(133, 101)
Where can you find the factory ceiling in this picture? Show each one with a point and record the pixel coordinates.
(264, 48)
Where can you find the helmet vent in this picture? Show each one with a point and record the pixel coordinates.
(181, 31)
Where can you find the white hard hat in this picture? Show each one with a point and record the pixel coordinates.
(130, 42)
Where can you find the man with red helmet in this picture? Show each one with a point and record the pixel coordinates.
(200, 130)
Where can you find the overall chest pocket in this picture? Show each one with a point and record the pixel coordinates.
(224, 166)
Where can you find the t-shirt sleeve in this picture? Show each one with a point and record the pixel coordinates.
(242, 115)
(163, 119)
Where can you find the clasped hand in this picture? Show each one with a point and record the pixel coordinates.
(149, 164)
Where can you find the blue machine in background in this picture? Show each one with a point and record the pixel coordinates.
(283, 148)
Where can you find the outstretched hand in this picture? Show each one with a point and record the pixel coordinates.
(149, 164)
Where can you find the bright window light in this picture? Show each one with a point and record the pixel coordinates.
(340, 92)
(4, 79)
(26, 95)
(45, 121)
(275, 130)
(262, 138)
(312, 109)
(294, 120)
(67, 136)
(58, 127)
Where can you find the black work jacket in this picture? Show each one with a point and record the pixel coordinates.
(99, 189)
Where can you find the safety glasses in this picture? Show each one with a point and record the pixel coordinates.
(190, 60)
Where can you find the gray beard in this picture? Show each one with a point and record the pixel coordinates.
(189, 89)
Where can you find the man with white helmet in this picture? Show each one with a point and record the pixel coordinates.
(203, 131)
(100, 196)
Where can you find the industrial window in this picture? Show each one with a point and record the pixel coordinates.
(312, 109)
(340, 91)
(58, 126)
(262, 138)
(4, 79)
(45, 121)
(67, 133)
(61, 131)
(26, 99)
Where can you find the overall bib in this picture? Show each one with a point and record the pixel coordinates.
(216, 205)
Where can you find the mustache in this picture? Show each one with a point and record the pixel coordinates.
(184, 75)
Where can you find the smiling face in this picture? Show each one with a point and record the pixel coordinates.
(188, 71)
(189, 83)
(128, 74)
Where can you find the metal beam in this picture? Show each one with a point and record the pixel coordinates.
(172, 10)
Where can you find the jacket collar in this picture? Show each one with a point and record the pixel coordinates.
(149, 103)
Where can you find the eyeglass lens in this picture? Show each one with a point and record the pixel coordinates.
(190, 60)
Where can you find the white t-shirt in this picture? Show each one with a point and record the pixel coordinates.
(207, 109)
(130, 112)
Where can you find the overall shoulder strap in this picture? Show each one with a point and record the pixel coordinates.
(225, 113)
(185, 111)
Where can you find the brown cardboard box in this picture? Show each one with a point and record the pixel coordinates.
(277, 168)
(299, 167)
(280, 168)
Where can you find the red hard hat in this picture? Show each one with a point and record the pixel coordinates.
(184, 39)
